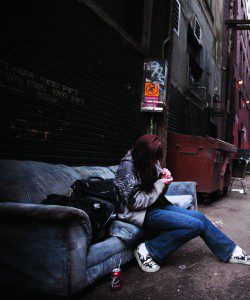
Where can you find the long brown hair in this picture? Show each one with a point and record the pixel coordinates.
(146, 151)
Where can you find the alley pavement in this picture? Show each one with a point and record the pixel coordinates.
(192, 272)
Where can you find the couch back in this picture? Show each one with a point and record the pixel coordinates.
(32, 181)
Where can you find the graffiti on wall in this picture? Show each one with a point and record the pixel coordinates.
(154, 86)
(20, 80)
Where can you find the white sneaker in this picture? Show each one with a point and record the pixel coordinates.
(146, 263)
(242, 258)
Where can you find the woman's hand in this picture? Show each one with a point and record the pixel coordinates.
(167, 180)
(166, 173)
(166, 176)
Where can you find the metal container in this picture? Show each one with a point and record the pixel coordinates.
(205, 160)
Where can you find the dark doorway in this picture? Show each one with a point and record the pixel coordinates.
(239, 138)
(212, 130)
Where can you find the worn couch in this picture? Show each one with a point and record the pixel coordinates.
(47, 249)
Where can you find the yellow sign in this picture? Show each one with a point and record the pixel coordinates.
(151, 89)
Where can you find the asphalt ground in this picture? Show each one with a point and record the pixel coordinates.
(192, 272)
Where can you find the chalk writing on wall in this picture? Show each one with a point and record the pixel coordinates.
(20, 80)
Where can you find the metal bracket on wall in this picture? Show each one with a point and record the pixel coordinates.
(238, 24)
(215, 112)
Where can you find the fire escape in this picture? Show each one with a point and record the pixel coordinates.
(243, 24)
(238, 24)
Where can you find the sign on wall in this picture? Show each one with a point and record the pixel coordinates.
(154, 85)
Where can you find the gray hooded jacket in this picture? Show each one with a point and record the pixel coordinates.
(134, 201)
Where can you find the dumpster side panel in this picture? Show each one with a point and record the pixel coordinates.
(205, 160)
(216, 170)
(191, 164)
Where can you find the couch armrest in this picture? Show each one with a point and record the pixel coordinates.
(44, 213)
(183, 188)
(43, 248)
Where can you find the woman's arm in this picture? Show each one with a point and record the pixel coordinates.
(129, 188)
(139, 200)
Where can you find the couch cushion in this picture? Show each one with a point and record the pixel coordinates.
(103, 250)
(184, 201)
(113, 168)
(130, 234)
(98, 171)
(31, 181)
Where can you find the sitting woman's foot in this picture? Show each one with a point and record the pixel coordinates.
(239, 256)
(144, 259)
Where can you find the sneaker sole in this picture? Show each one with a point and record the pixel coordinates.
(239, 261)
(141, 266)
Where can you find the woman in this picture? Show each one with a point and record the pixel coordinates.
(140, 181)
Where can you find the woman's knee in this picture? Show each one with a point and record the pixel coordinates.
(199, 215)
(197, 226)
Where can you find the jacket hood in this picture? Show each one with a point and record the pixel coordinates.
(127, 157)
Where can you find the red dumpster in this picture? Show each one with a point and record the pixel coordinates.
(206, 160)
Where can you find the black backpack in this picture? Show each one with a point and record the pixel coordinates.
(96, 187)
(100, 212)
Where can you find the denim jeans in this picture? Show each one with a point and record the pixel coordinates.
(180, 226)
